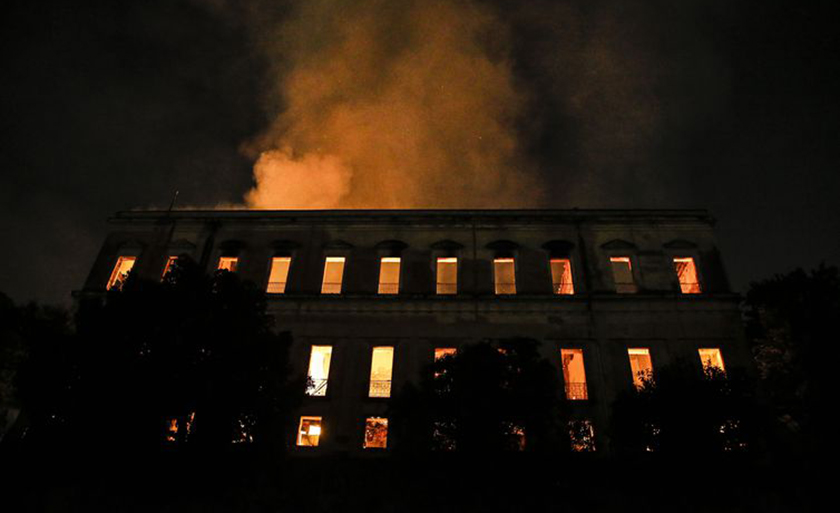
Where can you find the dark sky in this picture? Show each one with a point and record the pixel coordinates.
(106, 106)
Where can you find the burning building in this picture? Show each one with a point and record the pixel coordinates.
(373, 296)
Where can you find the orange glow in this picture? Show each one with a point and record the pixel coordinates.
(712, 359)
(278, 275)
(380, 372)
(389, 275)
(309, 432)
(447, 275)
(120, 273)
(442, 352)
(376, 433)
(172, 430)
(333, 275)
(319, 370)
(687, 274)
(505, 275)
(622, 270)
(574, 374)
(228, 264)
(640, 365)
(168, 267)
(561, 276)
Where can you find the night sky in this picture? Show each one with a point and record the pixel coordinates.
(726, 105)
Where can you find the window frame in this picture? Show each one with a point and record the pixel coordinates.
(271, 268)
(327, 258)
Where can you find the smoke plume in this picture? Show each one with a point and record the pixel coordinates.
(391, 104)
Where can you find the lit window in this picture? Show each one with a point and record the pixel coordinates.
(168, 267)
(687, 274)
(380, 372)
(447, 275)
(640, 365)
(622, 271)
(172, 430)
(505, 275)
(319, 370)
(443, 352)
(582, 436)
(561, 276)
(228, 264)
(309, 432)
(389, 275)
(120, 272)
(278, 275)
(712, 359)
(376, 433)
(574, 374)
(333, 274)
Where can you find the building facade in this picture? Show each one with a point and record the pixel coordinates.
(372, 297)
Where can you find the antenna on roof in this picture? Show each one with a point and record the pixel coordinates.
(172, 204)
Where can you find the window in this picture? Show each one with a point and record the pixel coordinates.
(380, 372)
(561, 276)
(333, 274)
(319, 370)
(168, 267)
(376, 433)
(582, 435)
(120, 272)
(278, 275)
(712, 359)
(442, 352)
(640, 365)
(622, 271)
(505, 275)
(389, 275)
(447, 275)
(574, 374)
(309, 432)
(687, 274)
(228, 264)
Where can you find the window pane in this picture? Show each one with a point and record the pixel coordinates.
(447, 275)
(561, 276)
(120, 273)
(376, 433)
(640, 365)
(228, 264)
(623, 275)
(168, 267)
(687, 274)
(389, 275)
(380, 371)
(333, 274)
(574, 374)
(309, 432)
(505, 274)
(319, 370)
(442, 352)
(712, 358)
(278, 275)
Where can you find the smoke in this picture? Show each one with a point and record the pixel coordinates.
(391, 104)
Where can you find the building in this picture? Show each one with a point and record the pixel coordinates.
(372, 296)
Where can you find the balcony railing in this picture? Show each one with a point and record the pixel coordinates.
(576, 391)
(317, 387)
(276, 287)
(389, 288)
(380, 388)
(447, 288)
(331, 288)
(564, 288)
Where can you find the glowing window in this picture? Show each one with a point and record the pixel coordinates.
(447, 275)
(622, 271)
(172, 430)
(687, 274)
(574, 374)
(376, 433)
(309, 432)
(443, 352)
(168, 267)
(319, 370)
(640, 365)
(228, 264)
(333, 274)
(582, 436)
(380, 372)
(120, 272)
(505, 275)
(278, 275)
(389, 275)
(561, 276)
(712, 359)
